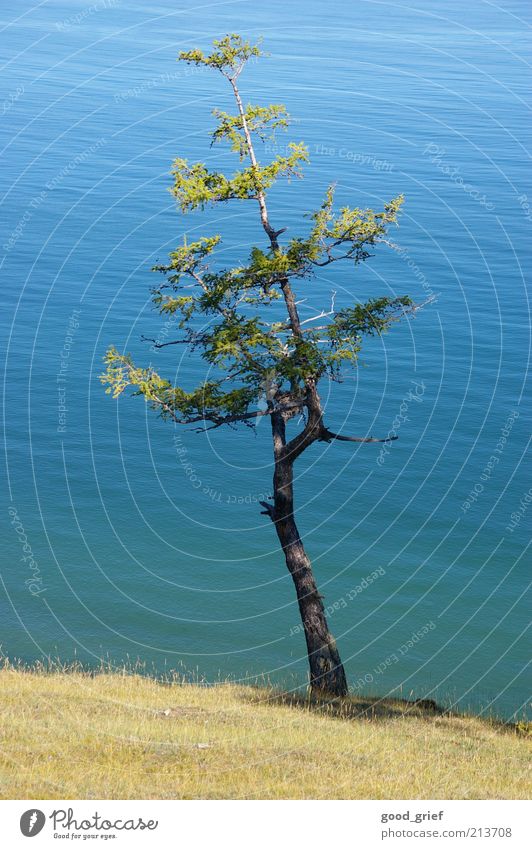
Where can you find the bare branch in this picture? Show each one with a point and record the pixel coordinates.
(269, 510)
(323, 313)
(157, 344)
(327, 436)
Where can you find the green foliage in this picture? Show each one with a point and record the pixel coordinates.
(348, 233)
(373, 317)
(238, 340)
(229, 55)
(206, 401)
(195, 186)
(350, 325)
(225, 313)
(261, 120)
(188, 258)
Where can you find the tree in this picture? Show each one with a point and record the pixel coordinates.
(231, 317)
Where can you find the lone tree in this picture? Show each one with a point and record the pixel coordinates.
(231, 317)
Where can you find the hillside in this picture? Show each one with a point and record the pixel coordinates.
(75, 735)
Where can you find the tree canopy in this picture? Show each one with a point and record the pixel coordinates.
(222, 312)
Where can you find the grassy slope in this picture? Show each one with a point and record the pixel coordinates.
(70, 735)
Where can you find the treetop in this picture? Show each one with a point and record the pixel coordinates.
(229, 56)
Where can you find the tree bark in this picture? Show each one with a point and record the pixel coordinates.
(327, 675)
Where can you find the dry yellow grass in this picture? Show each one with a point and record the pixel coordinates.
(70, 735)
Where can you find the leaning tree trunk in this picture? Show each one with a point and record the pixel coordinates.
(327, 675)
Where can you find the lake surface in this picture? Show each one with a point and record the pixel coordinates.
(148, 540)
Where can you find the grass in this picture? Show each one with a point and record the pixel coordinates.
(75, 735)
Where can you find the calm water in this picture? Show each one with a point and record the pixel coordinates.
(137, 556)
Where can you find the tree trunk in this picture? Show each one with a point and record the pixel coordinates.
(327, 675)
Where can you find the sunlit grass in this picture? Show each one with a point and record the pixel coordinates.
(71, 734)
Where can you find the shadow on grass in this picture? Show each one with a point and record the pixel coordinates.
(352, 707)
(378, 708)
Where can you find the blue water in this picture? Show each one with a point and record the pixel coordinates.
(134, 550)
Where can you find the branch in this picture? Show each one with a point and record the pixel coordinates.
(322, 314)
(269, 510)
(239, 417)
(157, 344)
(327, 436)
